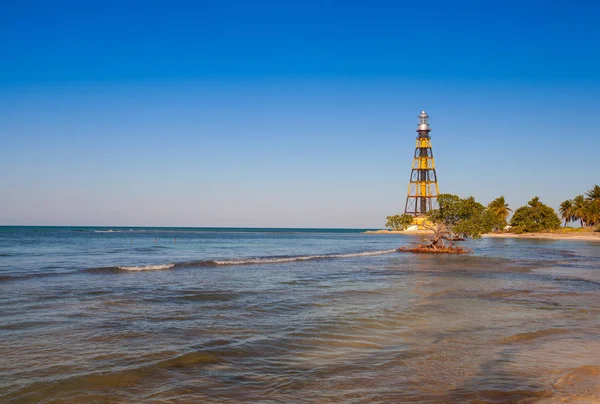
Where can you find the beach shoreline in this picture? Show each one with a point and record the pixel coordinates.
(583, 236)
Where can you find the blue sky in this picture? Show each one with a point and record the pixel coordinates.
(299, 114)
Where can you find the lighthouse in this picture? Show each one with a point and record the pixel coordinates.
(423, 185)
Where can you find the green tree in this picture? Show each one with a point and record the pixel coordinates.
(592, 212)
(594, 193)
(566, 211)
(399, 222)
(500, 209)
(579, 209)
(457, 219)
(534, 217)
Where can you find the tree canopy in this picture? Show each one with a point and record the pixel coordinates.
(534, 217)
(566, 211)
(582, 209)
(455, 220)
(594, 193)
(500, 208)
(399, 222)
(464, 217)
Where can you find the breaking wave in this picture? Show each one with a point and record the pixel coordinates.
(276, 260)
(147, 267)
(238, 261)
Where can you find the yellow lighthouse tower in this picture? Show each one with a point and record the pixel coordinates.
(423, 185)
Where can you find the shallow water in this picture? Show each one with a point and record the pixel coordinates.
(88, 315)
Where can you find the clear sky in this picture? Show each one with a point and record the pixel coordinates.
(289, 114)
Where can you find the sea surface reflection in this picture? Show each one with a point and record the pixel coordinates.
(245, 316)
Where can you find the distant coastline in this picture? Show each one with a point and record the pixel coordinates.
(583, 236)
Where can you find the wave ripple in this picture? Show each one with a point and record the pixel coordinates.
(239, 261)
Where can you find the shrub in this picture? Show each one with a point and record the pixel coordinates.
(534, 217)
(399, 222)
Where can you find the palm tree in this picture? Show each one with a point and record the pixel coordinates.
(579, 209)
(566, 211)
(500, 208)
(594, 193)
(592, 212)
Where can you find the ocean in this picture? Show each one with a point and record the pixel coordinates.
(215, 315)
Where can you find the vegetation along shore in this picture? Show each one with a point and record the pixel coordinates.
(459, 218)
(550, 235)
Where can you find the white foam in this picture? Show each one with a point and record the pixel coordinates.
(265, 260)
(148, 267)
(276, 260)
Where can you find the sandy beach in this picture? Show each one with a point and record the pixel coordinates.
(585, 236)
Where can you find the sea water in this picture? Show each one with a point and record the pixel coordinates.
(292, 315)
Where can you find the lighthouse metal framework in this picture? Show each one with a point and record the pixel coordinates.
(423, 185)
